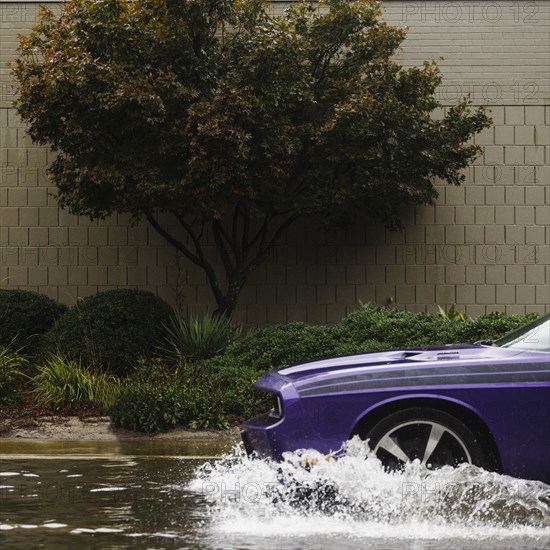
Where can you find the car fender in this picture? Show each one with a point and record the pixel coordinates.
(410, 397)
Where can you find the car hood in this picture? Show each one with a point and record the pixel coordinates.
(464, 358)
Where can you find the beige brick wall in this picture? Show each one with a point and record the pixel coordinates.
(484, 247)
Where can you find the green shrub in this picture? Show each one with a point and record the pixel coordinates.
(150, 401)
(156, 399)
(204, 403)
(370, 328)
(394, 328)
(63, 384)
(282, 345)
(198, 338)
(350, 347)
(25, 317)
(12, 373)
(112, 329)
(493, 326)
(238, 398)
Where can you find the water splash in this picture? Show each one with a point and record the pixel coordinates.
(356, 497)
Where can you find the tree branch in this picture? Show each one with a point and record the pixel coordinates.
(264, 249)
(235, 222)
(246, 231)
(174, 242)
(189, 229)
(219, 238)
(231, 240)
(198, 258)
(259, 234)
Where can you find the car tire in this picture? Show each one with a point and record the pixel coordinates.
(434, 437)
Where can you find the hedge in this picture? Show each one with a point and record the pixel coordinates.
(25, 317)
(112, 330)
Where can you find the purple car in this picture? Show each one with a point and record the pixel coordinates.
(486, 404)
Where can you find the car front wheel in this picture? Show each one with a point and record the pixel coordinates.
(433, 437)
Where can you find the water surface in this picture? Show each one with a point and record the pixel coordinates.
(161, 495)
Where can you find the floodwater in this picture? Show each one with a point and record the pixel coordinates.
(183, 495)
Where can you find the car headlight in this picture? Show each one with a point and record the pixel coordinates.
(276, 410)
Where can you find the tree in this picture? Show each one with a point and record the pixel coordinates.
(236, 121)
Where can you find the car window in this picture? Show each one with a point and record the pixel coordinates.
(534, 337)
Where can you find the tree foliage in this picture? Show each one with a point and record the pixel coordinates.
(229, 118)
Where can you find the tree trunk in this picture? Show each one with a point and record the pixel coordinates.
(228, 302)
(241, 253)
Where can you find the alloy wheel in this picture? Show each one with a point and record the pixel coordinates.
(434, 444)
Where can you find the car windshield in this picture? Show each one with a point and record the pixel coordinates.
(534, 336)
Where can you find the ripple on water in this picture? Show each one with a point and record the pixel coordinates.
(107, 489)
(355, 497)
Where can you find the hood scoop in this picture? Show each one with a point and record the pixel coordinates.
(411, 354)
(462, 354)
(441, 355)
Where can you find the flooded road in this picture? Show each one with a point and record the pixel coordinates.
(177, 495)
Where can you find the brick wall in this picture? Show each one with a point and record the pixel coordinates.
(485, 246)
